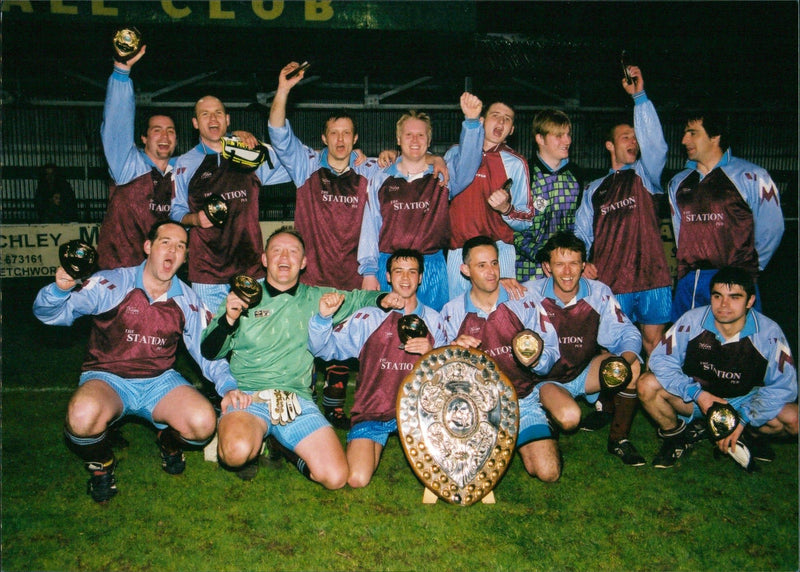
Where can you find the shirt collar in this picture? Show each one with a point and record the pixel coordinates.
(174, 286)
(323, 161)
(561, 164)
(549, 292)
(724, 160)
(502, 296)
(272, 291)
(750, 327)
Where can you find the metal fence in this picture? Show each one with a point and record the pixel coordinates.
(70, 138)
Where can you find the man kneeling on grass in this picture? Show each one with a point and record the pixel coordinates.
(269, 358)
(371, 334)
(723, 353)
(140, 314)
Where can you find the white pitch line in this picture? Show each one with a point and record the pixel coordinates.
(37, 389)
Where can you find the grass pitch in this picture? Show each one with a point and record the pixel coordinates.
(704, 514)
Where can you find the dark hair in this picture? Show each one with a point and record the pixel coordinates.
(337, 114)
(715, 124)
(613, 130)
(286, 229)
(146, 124)
(153, 232)
(406, 253)
(473, 242)
(734, 276)
(563, 239)
(497, 102)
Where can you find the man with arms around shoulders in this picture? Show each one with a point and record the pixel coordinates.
(269, 357)
(219, 253)
(484, 317)
(140, 315)
(726, 352)
(408, 208)
(371, 334)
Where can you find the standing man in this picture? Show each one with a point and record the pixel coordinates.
(408, 208)
(725, 211)
(269, 358)
(591, 327)
(219, 253)
(141, 188)
(371, 334)
(483, 317)
(723, 353)
(141, 313)
(556, 186)
(485, 207)
(331, 195)
(617, 219)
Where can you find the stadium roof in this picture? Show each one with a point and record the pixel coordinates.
(379, 54)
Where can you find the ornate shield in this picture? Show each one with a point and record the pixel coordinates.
(458, 418)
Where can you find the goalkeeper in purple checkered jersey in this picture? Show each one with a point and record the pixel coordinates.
(140, 315)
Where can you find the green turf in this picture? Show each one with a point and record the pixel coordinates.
(704, 514)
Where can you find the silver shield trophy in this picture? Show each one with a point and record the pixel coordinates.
(458, 419)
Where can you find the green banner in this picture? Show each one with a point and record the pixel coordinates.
(318, 14)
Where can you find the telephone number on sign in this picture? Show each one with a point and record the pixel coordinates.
(23, 259)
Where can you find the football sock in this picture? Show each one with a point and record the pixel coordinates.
(674, 432)
(95, 451)
(624, 410)
(335, 390)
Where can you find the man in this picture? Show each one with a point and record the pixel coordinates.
(556, 185)
(407, 208)
(484, 318)
(726, 352)
(331, 194)
(371, 334)
(617, 219)
(269, 358)
(140, 315)
(485, 207)
(591, 327)
(725, 212)
(141, 188)
(220, 253)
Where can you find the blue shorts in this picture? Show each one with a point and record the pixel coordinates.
(694, 290)
(289, 435)
(433, 290)
(212, 295)
(377, 431)
(457, 284)
(647, 307)
(736, 402)
(139, 395)
(532, 416)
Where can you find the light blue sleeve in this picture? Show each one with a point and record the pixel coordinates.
(347, 339)
(272, 175)
(780, 380)
(370, 228)
(616, 332)
(298, 160)
(517, 170)
(435, 323)
(125, 160)
(666, 359)
(217, 371)
(652, 145)
(464, 159)
(763, 197)
(584, 215)
(56, 307)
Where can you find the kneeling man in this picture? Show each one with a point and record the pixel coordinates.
(723, 353)
(372, 335)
